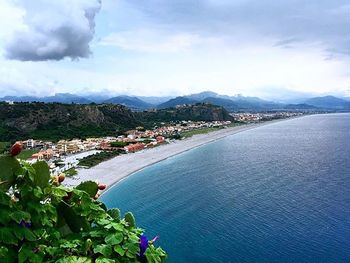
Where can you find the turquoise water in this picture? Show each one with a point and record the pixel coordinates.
(277, 193)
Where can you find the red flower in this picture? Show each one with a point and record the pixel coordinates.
(16, 149)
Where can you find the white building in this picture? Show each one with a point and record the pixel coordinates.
(30, 144)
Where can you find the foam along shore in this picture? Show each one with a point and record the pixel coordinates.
(114, 170)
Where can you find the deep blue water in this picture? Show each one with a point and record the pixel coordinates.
(277, 193)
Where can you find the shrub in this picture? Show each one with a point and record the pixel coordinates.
(71, 172)
(43, 221)
(92, 160)
(119, 144)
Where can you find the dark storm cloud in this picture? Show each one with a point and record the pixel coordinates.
(323, 22)
(54, 30)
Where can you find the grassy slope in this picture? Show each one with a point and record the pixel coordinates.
(26, 154)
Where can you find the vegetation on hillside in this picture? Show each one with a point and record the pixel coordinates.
(196, 112)
(54, 121)
(43, 221)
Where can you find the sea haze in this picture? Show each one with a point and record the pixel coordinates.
(277, 193)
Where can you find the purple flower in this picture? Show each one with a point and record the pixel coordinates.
(25, 224)
(154, 239)
(143, 245)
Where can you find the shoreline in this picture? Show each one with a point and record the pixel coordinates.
(115, 170)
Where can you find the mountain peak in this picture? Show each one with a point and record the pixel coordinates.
(202, 95)
(133, 103)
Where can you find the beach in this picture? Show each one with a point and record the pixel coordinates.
(114, 170)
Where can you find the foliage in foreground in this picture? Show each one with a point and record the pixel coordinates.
(43, 221)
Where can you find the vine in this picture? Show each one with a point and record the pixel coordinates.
(43, 221)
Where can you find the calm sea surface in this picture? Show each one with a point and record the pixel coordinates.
(277, 193)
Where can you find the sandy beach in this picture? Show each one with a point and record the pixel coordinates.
(113, 171)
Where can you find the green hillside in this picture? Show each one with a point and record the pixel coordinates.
(54, 121)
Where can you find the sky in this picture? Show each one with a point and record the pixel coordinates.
(272, 49)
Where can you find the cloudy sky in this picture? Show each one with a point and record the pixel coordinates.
(268, 48)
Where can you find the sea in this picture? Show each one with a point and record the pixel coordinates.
(276, 193)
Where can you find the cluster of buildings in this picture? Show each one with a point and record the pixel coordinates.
(183, 126)
(132, 141)
(50, 150)
(44, 154)
(256, 117)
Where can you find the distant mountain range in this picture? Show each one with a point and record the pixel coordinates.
(230, 103)
(329, 102)
(242, 103)
(58, 97)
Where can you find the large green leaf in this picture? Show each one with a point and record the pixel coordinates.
(74, 259)
(42, 174)
(75, 222)
(18, 216)
(105, 260)
(8, 167)
(132, 250)
(29, 235)
(119, 250)
(114, 239)
(114, 213)
(89, 187)
(5, 215)
(4, 199)
(7, 236)
(155, 255)
(105, 250)
(8, 255)
(130, 219)
(59, 191)
(24, 254)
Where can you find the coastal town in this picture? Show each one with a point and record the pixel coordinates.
(66, 155)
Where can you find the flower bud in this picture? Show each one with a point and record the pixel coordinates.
(16, 149)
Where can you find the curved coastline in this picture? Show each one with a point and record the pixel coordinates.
(115, 170)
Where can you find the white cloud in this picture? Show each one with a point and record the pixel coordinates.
(53, 30)
(177, 47)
